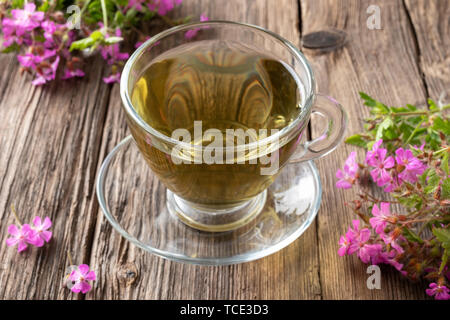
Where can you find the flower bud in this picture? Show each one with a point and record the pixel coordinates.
(435, 251)
(400, 167)
(437, 194)
(396, 233)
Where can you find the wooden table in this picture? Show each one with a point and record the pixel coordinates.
(54, 139)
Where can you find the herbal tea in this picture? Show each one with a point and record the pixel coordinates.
(221, 85)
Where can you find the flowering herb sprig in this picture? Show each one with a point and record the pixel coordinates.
(53, 35)
(407, 155)
(23, 234)
(79, 277)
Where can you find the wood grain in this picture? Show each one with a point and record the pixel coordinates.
(430, 21)
(50, 145)
(54, 139)
(292, 273)
(383, 64)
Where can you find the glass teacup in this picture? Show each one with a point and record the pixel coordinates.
(216, 186)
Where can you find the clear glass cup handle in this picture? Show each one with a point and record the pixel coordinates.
(336, 118)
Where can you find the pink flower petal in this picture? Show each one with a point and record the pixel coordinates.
(22, 246)
(36, 241)
(76, 287)
(11, 242)
(91, 276)
(74, 275)
(47, 223)
(13, 230)
(37, 221)
(46, 235)
(84, 269)
(85, 286)
(385, 208)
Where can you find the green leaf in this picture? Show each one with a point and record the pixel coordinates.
(443, 235)
(380, 108)
(423, 177)
(95, 14)
(413, 201)
(11, 48)
(96, 35)
(411, 235)
(369, 101)
(432, 139)
(119, 18)
(445, 189)
(44, 6)
(15, 4)
(411, 107)
(131, 13)
(82, 44)
(442, 125)
(444, 163)
(121, 2)
(432, 105)
(356, 140)
(432, 182)
(383, 127)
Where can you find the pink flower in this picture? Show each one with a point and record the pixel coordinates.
(376, 253)
(392, 184)
(163, 6)
(68, 73)
(367, 251)
(345, 242)
(17, 29)
(50, 28)
(111, 53)
(413, 166)
(392, 239)
(27, 19)
(112, 78)
(378, 256)
(381, 217)
(46, 72)
(389, 258)
(81, 276)
(422, 146)
(348, 176)
(41, 233)
(136, 4)
(440, 292)
(193, 32)
(377, 158)
(30, 60)
(20, 236)
(358, 242)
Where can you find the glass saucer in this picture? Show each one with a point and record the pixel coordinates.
(134, 202)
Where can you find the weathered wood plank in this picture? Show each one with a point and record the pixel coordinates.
(50, 140)
(383, 64)
(291, 273)
(431, 23)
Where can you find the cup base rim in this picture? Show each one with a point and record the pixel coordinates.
(215, 219)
